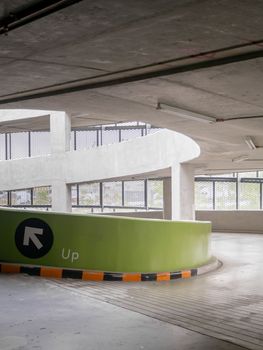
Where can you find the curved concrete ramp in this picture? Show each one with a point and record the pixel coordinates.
(102, 243)
(137, 156)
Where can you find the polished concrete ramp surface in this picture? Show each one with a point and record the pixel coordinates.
(207, 312)
(226, 304)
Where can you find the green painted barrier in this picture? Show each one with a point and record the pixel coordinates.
(102, 243)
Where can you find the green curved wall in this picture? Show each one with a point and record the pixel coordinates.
(113, 244)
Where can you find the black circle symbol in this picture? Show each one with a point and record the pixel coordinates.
(33, 238)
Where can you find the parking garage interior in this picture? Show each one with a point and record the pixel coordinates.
(131, 142)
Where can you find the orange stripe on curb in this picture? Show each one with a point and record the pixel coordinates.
(164, 276)
(6, 268)
(50, 272)
(186, 274)
(92, 276)
(131, 277)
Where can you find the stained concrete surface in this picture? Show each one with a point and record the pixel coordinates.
(46, 314)
(38, 315)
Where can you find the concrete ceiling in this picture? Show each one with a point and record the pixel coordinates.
(114, 60)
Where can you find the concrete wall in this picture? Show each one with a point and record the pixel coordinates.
(248, 221)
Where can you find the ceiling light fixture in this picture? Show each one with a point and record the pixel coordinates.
(184, 113)
(249, 141)
(240, 158)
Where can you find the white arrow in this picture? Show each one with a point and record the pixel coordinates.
(30, 233)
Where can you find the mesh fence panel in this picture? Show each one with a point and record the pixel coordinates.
(21, 197)
(204, 195)
(82, 210)
(134, 194)
(112, 193)
(110, 136)
(249, 195)
(42, 195)
(86, 139)
(74, 195)
(3, 198)
(40, 143)
(225, 195)
(155, 194)
(247, 174)
(89, 194)
(72, 141)
(129, 134)
(19, 145)
(2, 146)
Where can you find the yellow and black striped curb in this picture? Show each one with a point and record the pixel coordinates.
(53, 272)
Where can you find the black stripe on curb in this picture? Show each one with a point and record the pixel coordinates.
(176, 275)
(76, 274)
(149, 276)
(32, 271)
(46, 271)
(112, 276)
(193, 272)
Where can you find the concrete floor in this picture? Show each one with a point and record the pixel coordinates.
(227, 304)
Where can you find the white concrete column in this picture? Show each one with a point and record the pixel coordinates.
(167, 198)
(61, 196)
(60, 132)
(182, 192)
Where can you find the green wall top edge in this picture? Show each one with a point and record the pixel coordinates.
(107, 217)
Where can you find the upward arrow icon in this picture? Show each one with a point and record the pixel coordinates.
(31, 233)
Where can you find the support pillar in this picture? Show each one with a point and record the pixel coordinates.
(60, 132)
(182, 190)
(167, 198)
(61, 196)
(178, 193)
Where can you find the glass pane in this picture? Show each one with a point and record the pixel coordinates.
(260, 174)
(19, 145)
(21, 197)
(3, 198)
(40, 143)
(2, 146)
(110, 136)
(225, 193)
(134, 194)
(129, 134)
(89, 194)
(155, 194)
(112, 193)
(203, 195)
(249, 195)
(86, 139)
(42, 195)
